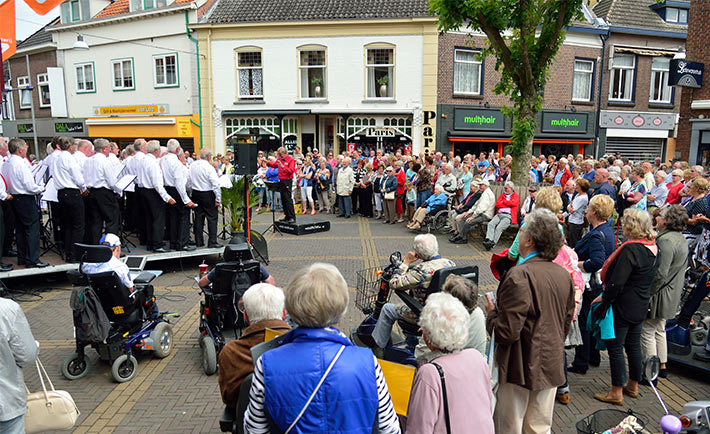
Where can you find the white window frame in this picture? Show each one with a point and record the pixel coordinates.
(303, 69)
(663, 83)
(244, 50)
(589, 72)
(22, 84)
(83, 67)
(123, 78)
(680, 12)
(43, 81)
(469, 62)
(72, 17)
(164, 56)
(392, 79)
(631, 71)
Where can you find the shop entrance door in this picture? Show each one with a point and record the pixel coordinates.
(327, 138)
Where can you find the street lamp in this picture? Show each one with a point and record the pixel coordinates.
(680, 54)
(80, 44)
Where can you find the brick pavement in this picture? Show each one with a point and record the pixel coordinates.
(173, 395)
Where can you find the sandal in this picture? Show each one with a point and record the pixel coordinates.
(603, 397)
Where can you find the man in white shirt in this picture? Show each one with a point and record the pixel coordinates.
(100, 177)
(207, 195)
(21, 185)
(85, 150)
(134, 166)
(69, 180)
(114, 264)
(481, 213)
(659, 193)
(154, 198)
(176, 175)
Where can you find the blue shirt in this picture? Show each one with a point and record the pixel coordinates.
(590, 176)
(436, 201)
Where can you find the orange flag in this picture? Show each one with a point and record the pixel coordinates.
(7, 29)
(41, 7)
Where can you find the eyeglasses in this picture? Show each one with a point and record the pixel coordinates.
(532, 191)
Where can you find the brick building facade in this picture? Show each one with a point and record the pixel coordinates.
(694, 123)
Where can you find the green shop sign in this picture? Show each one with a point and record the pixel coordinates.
(564, 122)
(478, 119)
(25, 129)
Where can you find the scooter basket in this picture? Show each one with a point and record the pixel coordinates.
(602, 420)
(368, 285)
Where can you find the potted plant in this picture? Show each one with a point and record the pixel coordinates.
(383, 81)
(317, 83)
(234, 200)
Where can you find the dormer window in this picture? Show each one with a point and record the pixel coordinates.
(676, 15)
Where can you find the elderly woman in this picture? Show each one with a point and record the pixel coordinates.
(344, 184)
(635, 197)
(667, 286)
(592, 250)
(506, 214)
(434, 203)
(323, 177)
(674, 187)
(316, 380)
(466, 291)
(576, 210)
(547, 198)
(388, 190)
(698, 210)
(627, 276)
(462, 372)
(530, 320)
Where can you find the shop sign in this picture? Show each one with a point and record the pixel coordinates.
(478, 119)
(636, 120)
(351, 147)
(25, 129)
(381, 132)
(132, 110)
(564, 122)
(184, 128)
(686, 73)
(69, 127)
(428, 130)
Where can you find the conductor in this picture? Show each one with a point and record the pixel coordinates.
(287, 168)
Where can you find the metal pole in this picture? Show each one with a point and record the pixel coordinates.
(32, 106)
(604, 38)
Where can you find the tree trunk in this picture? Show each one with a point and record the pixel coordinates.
(524, 125)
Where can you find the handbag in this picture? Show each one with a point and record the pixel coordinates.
(49, 410)
(320, 383)
(390, 195)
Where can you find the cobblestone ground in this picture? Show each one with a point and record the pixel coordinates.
(173, 395)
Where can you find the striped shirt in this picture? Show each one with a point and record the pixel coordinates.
(256, 421)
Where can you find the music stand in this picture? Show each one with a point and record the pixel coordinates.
(274, 188)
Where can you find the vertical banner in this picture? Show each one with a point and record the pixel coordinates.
(42, 7)
(7, 29)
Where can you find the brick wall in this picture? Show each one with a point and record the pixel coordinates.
(642, 76)
(38, 65)
(558, 90)
(697, 49)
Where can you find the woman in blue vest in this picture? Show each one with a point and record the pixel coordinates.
(317, 380)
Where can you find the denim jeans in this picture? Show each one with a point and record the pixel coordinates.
(628, 337)
(422, 196)
(272, 198)
(383, 329)
(344, 205)
(13, 426)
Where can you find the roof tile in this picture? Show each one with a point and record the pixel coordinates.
(635, 14)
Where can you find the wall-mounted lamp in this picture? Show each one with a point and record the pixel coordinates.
(573, 109)
(80, 44)
(680, 54)
(486, 105)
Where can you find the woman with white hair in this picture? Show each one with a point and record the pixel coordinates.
(317, 380)
(388, 190)
(452, 393)
(435, 202)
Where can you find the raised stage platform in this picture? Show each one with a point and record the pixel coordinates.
(57, 265)
(304, 225)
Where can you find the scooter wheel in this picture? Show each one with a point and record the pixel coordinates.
(73, 369)
(209, 355)
(698, 337)
(163, 340)
(124, 368)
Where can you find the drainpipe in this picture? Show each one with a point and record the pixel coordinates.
(604, 37)
(199, 87)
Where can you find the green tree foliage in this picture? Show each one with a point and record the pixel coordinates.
(524, 36)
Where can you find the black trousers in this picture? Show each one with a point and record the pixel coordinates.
(355, 199)
(155, 218)
(206, 207)
(103, 210)
(9, 223)
(24, 206)
(72, 214)
(141, 219)
(587, 353)
(55, 214)
(286, 200)
(178, 220)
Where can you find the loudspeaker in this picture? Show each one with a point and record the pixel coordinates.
(245, 159)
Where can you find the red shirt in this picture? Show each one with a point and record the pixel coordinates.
(287, 170)
(674, 193)
(401, 179)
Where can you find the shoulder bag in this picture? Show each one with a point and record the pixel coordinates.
(320, 383)
(49, 410)
(443, 394)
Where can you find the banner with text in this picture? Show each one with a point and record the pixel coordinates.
(478, 119)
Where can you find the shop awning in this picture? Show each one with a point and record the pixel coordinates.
(507, 140)
(264, 112)
(645, 51)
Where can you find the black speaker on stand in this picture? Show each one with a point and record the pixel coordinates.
(245, 159)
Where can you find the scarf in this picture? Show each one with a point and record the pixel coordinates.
(616, 252)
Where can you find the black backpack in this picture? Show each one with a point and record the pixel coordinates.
(90, 320)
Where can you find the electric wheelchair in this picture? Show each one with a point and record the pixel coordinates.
(438, 219)
(133, 325)
(221, 319)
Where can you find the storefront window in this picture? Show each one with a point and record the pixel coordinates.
(250, 75)
(380, 72)
(312, 66)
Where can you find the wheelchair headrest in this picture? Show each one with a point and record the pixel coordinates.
(91, 253)
(437, 280)
(237, 252)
